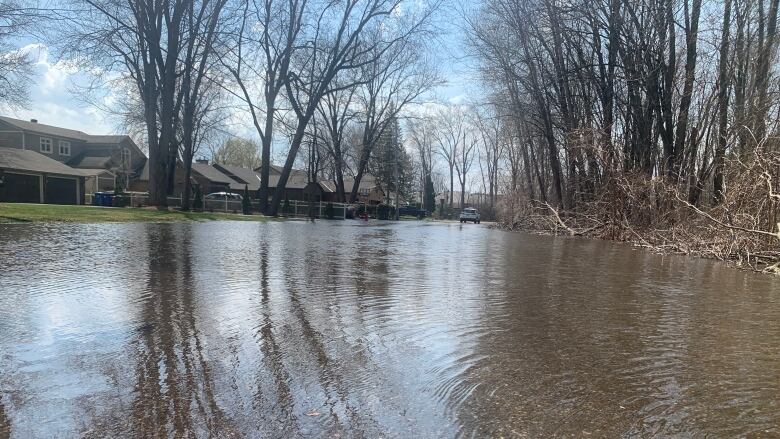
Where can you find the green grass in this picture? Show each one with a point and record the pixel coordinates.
(50, 213)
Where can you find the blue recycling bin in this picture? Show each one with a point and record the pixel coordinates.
(108, 199)
(105, 199)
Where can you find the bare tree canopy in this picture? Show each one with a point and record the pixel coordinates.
(239, 152)
(164, 50)
(17, 66)
(622, 114)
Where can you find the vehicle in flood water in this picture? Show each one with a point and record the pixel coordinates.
(469, 214)
(355, 329)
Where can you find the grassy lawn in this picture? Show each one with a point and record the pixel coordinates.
(50, 213)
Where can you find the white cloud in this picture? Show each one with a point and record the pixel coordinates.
(51, 99)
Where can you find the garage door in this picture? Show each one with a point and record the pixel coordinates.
(21, 188)
(61, 191)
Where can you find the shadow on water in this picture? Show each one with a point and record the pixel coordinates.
(173, 393)
(275, 403)
(5, 423)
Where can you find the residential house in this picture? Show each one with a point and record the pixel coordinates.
(224, 178)
(369, 191)
(31, 177)
(99, 180)
(320, 191)
(208, 178)
(243, 178)
(296, 182)
(294, 189)
(118, 155)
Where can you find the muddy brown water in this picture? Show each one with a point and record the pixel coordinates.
(347, 329)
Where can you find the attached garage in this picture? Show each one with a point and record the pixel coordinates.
(20, 188)
(61, 190)
(30, 177)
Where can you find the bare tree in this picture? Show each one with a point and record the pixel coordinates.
(264, 44)
(422, 136)
(239, 152)
(464, 160)
(450, 137)
(337, 45)
(337, 112)
(387, 86)
(724, 81)
(143, 42)
(490, 129)
(16, 65)
(198, 60)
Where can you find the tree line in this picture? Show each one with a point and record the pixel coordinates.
(302, 70)
(591, 88)
(621, 109)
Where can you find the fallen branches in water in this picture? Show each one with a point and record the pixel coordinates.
(743, 228)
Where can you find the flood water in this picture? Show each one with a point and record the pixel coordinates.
(350, 329)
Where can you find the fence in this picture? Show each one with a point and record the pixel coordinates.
(295, 208)
(291, 208)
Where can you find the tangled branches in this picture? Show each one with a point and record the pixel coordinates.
(743, 228)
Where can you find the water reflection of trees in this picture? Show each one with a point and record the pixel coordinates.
(308, 365)
(5, 423)
(636, 349)
(276, 405)
(174, 393)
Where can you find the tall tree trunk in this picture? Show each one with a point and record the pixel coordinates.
(462, 193)
(265, 156)
(295, 145)
(724, 80)
(667, 133)
(761, 102)
(538, 96)
(740, 81)
(452, 182)
(691, 34)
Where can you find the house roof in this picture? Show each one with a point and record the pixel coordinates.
(86, 160)
(40, 128)
(277, 170)
(242, 176)
(298, 179)
(328, 186)
(274, 169)
(26, 160)
(94, 172)
(367, 182)
(295, 181)
(44, 129)
(211, 173)
(112, 139)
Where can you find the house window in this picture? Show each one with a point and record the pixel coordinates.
(46, 145)
(64, 147)
(125, 158)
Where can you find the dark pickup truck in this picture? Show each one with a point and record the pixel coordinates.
(412, 211)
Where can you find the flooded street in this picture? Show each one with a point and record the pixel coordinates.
(347, 329)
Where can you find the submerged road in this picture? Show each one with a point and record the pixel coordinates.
(352, 329)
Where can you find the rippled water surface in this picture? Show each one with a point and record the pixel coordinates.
(347, 329)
